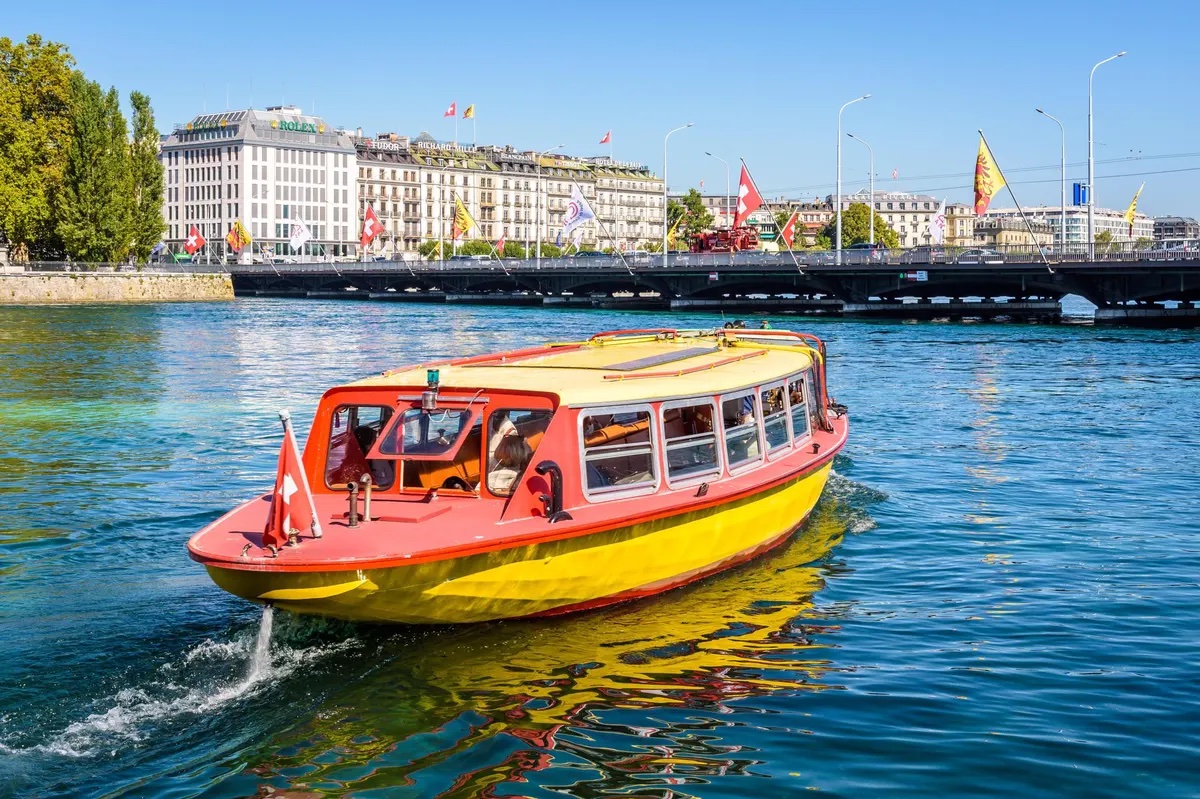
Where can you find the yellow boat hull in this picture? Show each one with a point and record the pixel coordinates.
(545, 578)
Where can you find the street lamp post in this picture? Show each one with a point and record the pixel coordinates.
(838, 241)
(727, 208)
(538, 202)
(1092, 165)
(664, 240)
(1062, 219)
(871, 175)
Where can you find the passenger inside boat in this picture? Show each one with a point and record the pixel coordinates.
(513, 436)
(512, 456)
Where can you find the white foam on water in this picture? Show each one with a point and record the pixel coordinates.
(132, 713)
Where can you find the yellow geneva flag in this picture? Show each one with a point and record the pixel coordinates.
(1131, 212)
(988, 179)
(238, 237)
(470, 112)
(462, 219)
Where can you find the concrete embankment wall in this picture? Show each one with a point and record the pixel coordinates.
(34, 288)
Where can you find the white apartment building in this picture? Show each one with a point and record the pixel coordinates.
(412, 184)
(1105, 219)
(909, 215)
(266, 168)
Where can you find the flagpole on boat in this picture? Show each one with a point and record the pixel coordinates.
(285, 418)
(1032, 237)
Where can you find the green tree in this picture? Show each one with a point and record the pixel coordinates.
(147, 176)
(1104, 237)
(475, 247)
(856, 227)
(513, 250)
(35, 129)
(429, 249)
(1143, 243)
(95, 201)
(696, 218)
(548, 250)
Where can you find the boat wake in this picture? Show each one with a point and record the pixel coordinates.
(202, 680)
(852, 502)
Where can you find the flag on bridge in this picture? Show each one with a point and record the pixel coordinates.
(300, 235)
(462, 219)
(988, 178)
(238, 237)
(1131, 212)
(937, 228)
(371, 227)
(500, 247)
(788, 234)
(194, 241)
(578, 211)
(749, 198)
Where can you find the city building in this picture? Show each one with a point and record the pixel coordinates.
(909, 215)
(266, 168)
(960, 225)
(1175, 227)
(413, 184)
(1004, 231)
(1076, 219)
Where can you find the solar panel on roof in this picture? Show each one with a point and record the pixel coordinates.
(661, 358)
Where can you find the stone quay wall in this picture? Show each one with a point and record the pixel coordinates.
(52, 288)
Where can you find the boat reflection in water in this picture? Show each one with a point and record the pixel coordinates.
(563, 702)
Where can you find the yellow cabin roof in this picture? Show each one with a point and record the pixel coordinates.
(627, 369)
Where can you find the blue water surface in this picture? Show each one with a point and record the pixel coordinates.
(996, 597)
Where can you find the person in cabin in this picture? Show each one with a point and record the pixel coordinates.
(512, 456)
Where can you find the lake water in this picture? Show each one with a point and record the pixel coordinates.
(997, 595)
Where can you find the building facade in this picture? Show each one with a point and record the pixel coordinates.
(413, 185)
(1175, 227)
(266, 168)
(960, 225)
(1006, 232)
(1107, 219)
(909, 215)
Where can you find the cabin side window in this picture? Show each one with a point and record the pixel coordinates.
(352, 432)
(798, 407)
(690, 433)
(774, 410)
(739, 415)
(618, 450)
(513, 437)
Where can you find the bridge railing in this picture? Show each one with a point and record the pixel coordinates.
(167, 267)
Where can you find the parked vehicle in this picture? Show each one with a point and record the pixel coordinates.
(980, 256)
(590, 254)
(925, 255)
(470, 257)
(726, 240)
(864, 252)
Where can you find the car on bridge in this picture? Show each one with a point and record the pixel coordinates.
(980, 255)
(925, 254)
(864, 252)
(589, 254)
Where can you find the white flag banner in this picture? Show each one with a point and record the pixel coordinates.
(577, 239)
(937, 228)
(578, 211)
(300, 235)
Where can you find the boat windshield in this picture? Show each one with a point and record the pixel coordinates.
(425, 435)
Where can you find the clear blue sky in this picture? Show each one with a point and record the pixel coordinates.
(761, 80)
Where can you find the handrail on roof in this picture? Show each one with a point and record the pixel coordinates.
(690, 370)
(665, 332)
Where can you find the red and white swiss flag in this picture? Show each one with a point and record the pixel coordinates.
(291, 502)
(452, 110)
(194, 241)
(607, 138)
(371, 227)
(749, 199)
(500, 247)
(789, 230)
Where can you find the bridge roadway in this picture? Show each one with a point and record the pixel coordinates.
(1127, 287)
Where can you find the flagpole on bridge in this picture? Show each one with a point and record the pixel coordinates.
(1032, 237)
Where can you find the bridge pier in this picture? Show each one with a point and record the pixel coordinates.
(629, 302)
(1152, 315)
(497, 298)
(1039, 310)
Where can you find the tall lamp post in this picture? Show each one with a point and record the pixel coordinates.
(871, 205)
(538, 201)
(1092, 164)
(838, 241)
(1062, 219)
(664, 242)
(727, 209)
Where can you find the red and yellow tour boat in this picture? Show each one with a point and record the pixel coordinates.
(540, 481)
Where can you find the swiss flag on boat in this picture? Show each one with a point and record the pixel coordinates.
(748, 198)
(292, 505)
